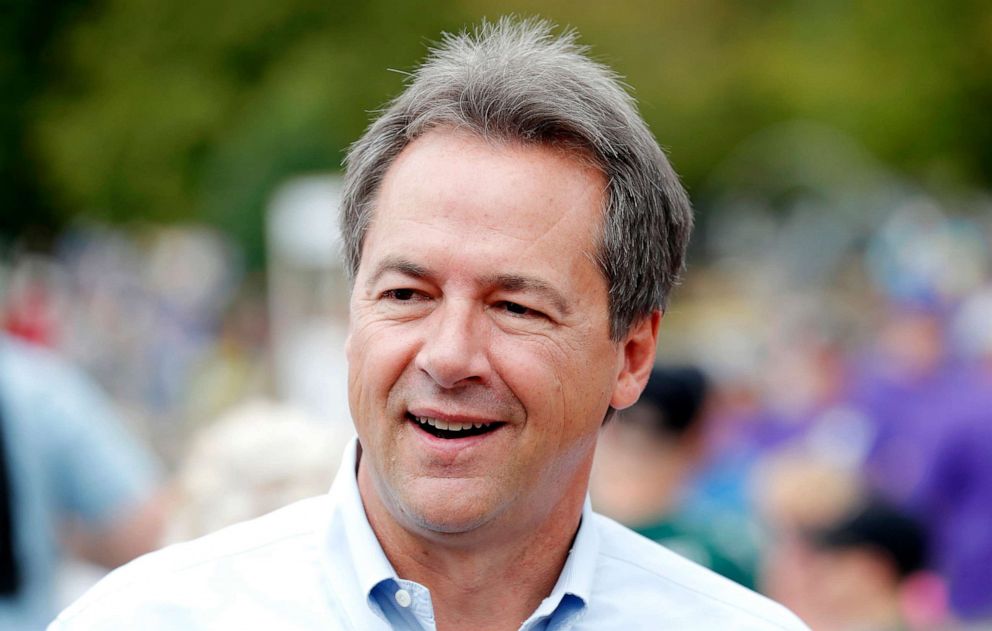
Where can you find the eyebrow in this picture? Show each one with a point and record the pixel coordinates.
(399, 265)
(505, 282)
(516, 282)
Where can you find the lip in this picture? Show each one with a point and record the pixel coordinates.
(452, 417)
(447, 450)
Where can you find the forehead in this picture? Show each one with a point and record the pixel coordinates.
(452, 186)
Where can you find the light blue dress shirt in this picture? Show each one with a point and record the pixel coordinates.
(317, 564)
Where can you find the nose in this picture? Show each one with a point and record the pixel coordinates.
(455, 349)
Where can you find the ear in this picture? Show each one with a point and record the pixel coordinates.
(636, 361)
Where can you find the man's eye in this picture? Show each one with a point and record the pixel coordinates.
(399, 294)
(520, 310)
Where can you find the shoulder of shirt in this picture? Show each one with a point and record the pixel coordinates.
(29, 372)
(651, 570)
(151, 576)
(31, 358)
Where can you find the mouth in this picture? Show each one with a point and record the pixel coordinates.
(451, 430)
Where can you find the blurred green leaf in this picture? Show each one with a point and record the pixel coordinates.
(164, 111)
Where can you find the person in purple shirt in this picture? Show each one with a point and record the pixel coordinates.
(932, 448)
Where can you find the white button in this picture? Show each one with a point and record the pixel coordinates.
(403, 598)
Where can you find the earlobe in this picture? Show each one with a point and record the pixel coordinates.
(636, 362)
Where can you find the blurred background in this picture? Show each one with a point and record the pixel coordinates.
(170, 174)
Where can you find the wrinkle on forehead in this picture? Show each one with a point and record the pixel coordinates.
(434, 189)
(465, 142)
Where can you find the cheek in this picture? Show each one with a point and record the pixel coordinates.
(528, 368)
(590, 382)
(565, 389)
(377, 356)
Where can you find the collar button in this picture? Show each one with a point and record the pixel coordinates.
(403, 598)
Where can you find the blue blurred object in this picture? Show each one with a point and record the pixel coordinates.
(66, 456)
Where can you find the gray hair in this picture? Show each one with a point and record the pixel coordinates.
(514, 80)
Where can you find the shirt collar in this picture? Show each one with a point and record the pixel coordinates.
(573, 590)
(361, 546)
(351, 543)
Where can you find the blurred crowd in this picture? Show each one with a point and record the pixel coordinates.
(828, 436)
(820, 428)
(163, 318)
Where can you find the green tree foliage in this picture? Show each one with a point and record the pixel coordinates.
(167, 111)
(26, 31)
(909, 78)
(162, 110)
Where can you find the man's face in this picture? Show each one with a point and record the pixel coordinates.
(480, 360)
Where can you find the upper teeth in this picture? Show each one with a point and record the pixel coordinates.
(451, 426)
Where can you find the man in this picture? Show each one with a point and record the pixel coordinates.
(512, 230)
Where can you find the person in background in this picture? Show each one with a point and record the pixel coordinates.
(858, 567)
(932, 452)
(643, 474)
(70, 477)
(955, 501)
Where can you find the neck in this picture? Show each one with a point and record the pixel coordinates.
(491, 578)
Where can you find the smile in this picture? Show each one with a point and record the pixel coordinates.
(451, 429)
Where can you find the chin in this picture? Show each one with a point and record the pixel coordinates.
(448, 508)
